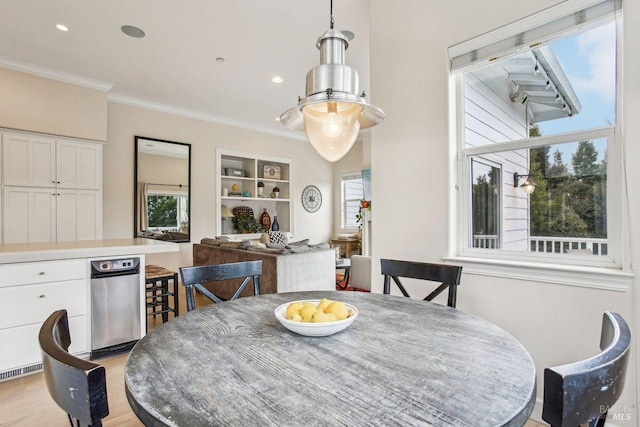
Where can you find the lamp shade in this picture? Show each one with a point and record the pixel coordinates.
(332, 113)
(225, 212)
(528, 185)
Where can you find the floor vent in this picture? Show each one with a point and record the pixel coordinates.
(6, 375)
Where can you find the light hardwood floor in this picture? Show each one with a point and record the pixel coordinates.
(26, 402)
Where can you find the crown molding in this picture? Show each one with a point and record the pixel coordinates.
(141, 103)
(35, 70)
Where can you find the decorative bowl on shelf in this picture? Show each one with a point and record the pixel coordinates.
(321, 329)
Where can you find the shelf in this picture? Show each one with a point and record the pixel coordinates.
(240, 178)
(254, 166)
(275, 181)
(260, 199)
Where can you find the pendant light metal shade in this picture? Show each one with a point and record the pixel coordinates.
(332, 112)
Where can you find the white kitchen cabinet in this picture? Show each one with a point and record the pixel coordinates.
(79, 165)
(52, 189)
(29, 293)
(49, 215)
(28, 160)
(29, 214)
(79, 215)
(38, 161)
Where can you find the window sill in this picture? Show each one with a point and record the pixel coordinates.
(610, 279)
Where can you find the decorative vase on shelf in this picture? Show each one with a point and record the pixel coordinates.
(265, 220)
(275, 226)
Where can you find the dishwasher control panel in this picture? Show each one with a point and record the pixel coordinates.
(115, 265)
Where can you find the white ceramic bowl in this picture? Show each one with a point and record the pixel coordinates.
(315, 329)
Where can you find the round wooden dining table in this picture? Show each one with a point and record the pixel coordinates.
(401, 362)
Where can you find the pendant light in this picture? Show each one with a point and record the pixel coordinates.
(332, 113)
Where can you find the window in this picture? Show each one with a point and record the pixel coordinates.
(167, 211)
(542, 112)
(485, 205)
(352, 194)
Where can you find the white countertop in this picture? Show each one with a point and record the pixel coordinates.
(47, 251)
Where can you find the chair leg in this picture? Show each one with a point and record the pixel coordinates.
(598, 422)
(165, 300)
(256, 285)
(191, 302)
(453, 296)
(387, 285)
(176, 298)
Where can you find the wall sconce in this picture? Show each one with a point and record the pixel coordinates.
(528, 185)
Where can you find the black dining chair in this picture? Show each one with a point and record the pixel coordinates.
(78, 386)
(196, 277)
(582, 392)
(447, 275)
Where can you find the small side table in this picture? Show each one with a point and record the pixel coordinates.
(348, 247)
(157, 291)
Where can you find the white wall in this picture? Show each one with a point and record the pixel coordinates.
(354, 161)
(44, 105)
(410, 156)
(124, 122)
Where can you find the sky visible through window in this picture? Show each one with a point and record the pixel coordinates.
(588, 60)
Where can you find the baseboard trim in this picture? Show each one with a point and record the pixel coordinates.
(18, 372)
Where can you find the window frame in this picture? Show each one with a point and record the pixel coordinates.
(613, 259)
(461, 194)
(178, 195)
(343, 201)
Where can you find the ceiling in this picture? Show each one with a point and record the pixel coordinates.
(174, 67)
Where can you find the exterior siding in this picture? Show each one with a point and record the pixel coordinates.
(491, 117)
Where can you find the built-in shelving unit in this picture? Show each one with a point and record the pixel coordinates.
(246, 171)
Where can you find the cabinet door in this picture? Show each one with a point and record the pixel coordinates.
(28, 160)
(79, 165)
(79, 215)
(26, 304)
(21, 346)
(29, 215)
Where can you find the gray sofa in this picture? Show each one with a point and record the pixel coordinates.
(282, 270)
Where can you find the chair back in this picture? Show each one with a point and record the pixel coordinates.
(447, 275)
(196, 277)
(79, 387)
(583, 391)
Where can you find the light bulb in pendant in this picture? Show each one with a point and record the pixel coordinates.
(332, 125)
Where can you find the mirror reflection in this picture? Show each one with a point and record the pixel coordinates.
(162, 189)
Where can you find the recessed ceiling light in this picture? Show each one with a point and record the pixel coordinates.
(220, 59)
(62, 27)
(278, 119)
(132, 31)
(277, 79)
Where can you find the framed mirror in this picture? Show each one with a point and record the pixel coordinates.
(162, 194)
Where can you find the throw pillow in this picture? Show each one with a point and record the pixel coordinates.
(304, 242)
(277, 240)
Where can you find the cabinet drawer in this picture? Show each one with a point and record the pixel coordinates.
(22, 305)
(21, 346)
(41, 272)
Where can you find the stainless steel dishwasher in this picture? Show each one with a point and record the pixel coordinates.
(115, 305)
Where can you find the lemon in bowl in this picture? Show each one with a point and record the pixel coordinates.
(316, 318)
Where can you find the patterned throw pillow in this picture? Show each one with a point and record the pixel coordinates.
(277, 240)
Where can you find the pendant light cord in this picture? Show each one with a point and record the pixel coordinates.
(331, 14)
